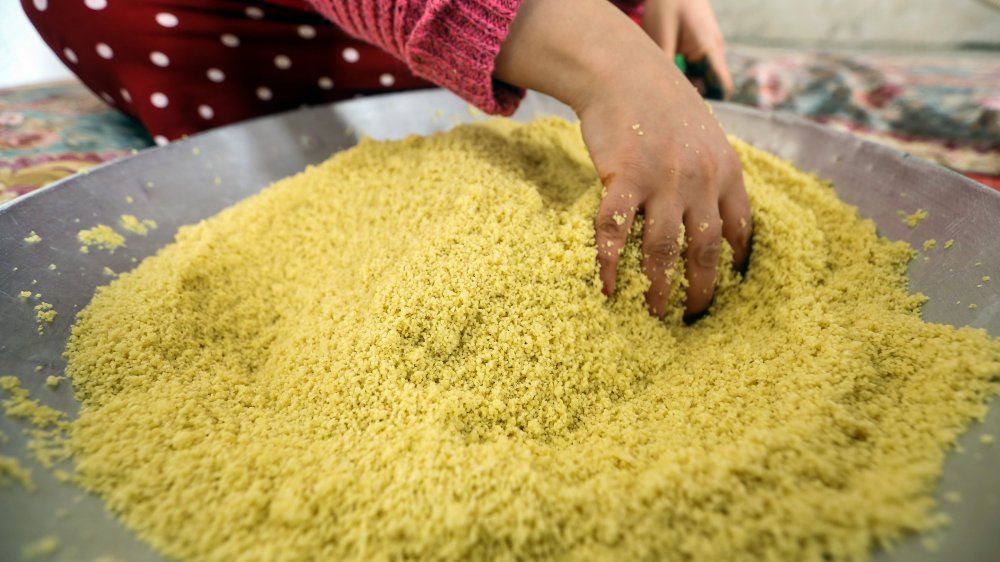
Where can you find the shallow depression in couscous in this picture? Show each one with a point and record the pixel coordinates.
(404, 353)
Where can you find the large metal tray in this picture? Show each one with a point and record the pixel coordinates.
(193, 179)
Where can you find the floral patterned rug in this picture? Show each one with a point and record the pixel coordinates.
(49, 132)
(941, 107)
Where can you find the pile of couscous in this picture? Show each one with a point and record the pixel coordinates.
(404, 353)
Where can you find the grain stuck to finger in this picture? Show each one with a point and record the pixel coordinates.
(346, 366)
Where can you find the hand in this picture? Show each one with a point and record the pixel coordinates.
(689, 27)
(651, 137)
(658, 151)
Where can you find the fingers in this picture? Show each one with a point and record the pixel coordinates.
(737, 222)
(703, 228)
(660, 249)
(611, 228)
(717, 64)
(662, 24)
(669, 33)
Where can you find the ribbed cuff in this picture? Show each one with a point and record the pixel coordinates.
(455, 44)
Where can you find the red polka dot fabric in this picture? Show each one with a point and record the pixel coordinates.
(182, 66)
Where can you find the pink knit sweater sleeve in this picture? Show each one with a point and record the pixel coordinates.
(452, 43)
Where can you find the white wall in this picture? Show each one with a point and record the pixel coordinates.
(24, 57)
(857, 23)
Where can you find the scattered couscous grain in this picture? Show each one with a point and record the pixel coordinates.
(915, 218)
(44, 314)
(33, 238)
(107, 271)
(52, 267)
(101, 236)
(132, 224)
(47, 437)
(930, 244)
(347, 366)
(52, 381)
(986, 439)
(11, 471)
(930, 544)
(986, 278)
(45, 546)
(949, 244)
(24, 295)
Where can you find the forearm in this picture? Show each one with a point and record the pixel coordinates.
(571, 48)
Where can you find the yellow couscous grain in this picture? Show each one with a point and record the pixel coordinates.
(404, 353)
(43, 547)
(101, 236)
(132, 224)
(11, 470)
(915, 218)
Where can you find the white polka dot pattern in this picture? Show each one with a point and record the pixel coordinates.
(104, 51)
(107, 98)
(387, 80)
(264, 93)
(161, 140)
(351, 54)
(206, 112)
(159, 99)
(230, 40)
(125, 95)
(215, 75)
(253, 12)
(166, 19)
(41, 5)
(282, 62)
(159, 59)
(96, 4)
(325, 83)
(70, 55)
(307, 31)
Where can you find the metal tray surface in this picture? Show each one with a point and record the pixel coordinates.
(193, 179)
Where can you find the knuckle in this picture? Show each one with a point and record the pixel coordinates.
(610, 223)
(729, 162)
(661, 250)
(706, 254)
(707, 164)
